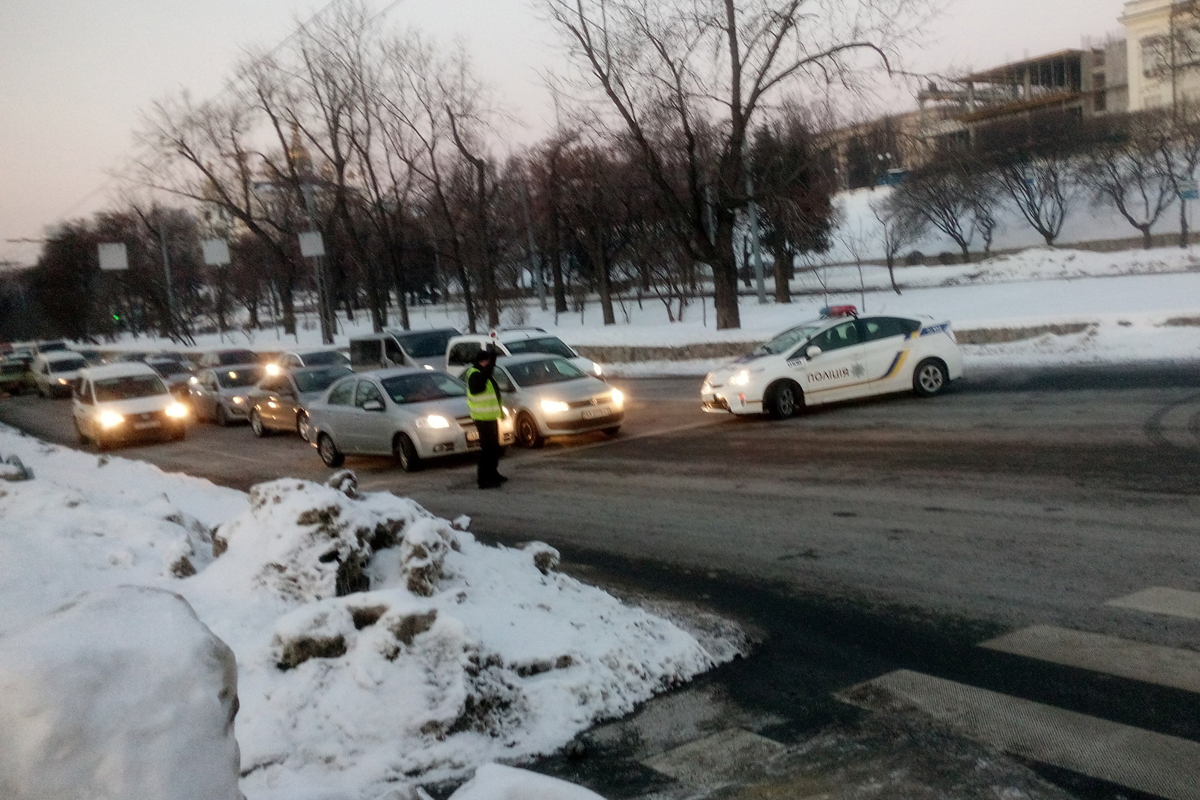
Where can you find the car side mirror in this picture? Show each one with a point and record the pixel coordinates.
(813, 351)
(372, 405)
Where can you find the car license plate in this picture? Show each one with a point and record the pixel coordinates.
(593, 413)
(473, 435)
(145, 426)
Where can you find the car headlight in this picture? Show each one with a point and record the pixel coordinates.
(554, 406)
(618, 397)
(110, 419)
(740, 378)
(62, 381)
(239, 400)
(433, 421)
(429, 368)
(273, 370)
(706, 388)
(177, 411)
(599, 369)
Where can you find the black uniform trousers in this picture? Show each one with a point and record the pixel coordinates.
(489, 452)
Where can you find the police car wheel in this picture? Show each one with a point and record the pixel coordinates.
(328, 451)
(406, 453)
(781, 399)
(929, 378)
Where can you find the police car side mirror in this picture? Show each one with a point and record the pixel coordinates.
(372, 405)
(813, 351)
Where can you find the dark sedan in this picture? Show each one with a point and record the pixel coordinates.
(280, 402)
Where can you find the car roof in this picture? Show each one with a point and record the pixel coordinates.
(58, 355)
(394, 372)
(525, 358)
(120, 370)
(234, 367)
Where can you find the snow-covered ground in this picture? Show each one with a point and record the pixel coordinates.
(377, 645)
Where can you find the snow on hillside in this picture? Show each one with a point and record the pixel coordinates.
(377, 645)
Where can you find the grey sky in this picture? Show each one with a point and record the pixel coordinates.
(75, 74)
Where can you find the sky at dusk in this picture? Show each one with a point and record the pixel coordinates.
(75, 75)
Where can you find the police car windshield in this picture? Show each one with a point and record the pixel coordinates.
(422, 388)
(548, 370)
(318, 380)
(427, 344)
(128, 387)
(237, 378)
(788, 339)
(550, 345)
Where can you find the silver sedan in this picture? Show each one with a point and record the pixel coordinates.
(550, 396)
(410, 414)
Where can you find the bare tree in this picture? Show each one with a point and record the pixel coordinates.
(687, 80)
(899, 228)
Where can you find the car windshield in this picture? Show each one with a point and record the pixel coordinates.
(547, 370)
(67, 364)
(551, 345)
(236, 357)
(789, 338)
(237, 378)
(427, 344)
(318, 380)
(12, 367)
(324, 358)
(167, 368)
(423, 387)
(128, 387)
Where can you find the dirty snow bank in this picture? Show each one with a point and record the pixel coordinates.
(124, 694)
(377, 645)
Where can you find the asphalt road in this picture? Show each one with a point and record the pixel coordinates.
(891, 533)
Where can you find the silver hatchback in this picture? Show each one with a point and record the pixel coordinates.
(408, 413)
(551, 396)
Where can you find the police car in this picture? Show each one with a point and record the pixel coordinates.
(837, 357)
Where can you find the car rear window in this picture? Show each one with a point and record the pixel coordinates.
(421, 388)
(128, 387)
(550, 345)
(318, 380)
(234, 379)
(324, 358)
(426, 344)
(67, 364)
(539, 373)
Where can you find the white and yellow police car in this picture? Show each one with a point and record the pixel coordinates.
(840, 356)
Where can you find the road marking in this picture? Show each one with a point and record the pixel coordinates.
(1163, 666)
(1137, 759)
(1162, 600)
(716, 758)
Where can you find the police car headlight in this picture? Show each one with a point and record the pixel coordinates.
(706, 388)
(740, 378)
(554, 406)
(435, 421)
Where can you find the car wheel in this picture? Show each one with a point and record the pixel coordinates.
(613, 431)
(528, 434)
(929, 378)
(406, 453)
(79, 432)
(222, 417)
(329, 452)
(41, 392)
(256, 424)
(782, 399)
(302, 425)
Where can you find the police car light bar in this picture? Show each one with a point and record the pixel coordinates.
(839, 311)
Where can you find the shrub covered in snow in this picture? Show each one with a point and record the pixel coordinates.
(123, 694)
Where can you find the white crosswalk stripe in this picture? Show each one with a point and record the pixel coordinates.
(1162, 600)
(1163, 666)
(1138, 759)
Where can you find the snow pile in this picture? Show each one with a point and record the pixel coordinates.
(376, 642)
(378, 646)
(496, 782)
(124, 694)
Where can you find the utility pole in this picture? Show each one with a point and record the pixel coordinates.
(166, 259)
(535, 266)
(755, 243)
(311, 244)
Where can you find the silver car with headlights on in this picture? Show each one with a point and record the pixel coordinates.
(222, 394)
(551, 396)
(409, 413)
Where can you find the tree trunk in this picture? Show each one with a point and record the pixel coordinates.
(556, 270)
(725, 276)
(288, 300)
(606, 303)
(1183, 224)
(891, 265)
(783, 289)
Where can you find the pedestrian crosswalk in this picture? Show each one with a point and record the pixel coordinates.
(1121, 754)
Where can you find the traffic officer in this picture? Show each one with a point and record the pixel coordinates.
(487, 409)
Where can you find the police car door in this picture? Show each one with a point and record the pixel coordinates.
(838, 371)
(887, 349)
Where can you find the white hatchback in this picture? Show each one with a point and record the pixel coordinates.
(123, 402)
(838, 357)
(461, 350)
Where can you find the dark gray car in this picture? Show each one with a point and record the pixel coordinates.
(280, 402)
